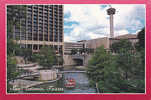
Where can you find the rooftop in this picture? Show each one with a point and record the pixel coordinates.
(126, 36)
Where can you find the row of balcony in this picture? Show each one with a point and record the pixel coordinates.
(60, 13)
(44, 9)
(39, 39)
(44, 26)
(36, 24)
(44, 6)
(45, 18)
(56, 16)
(40, 30)
(40, 24)
(60, 26)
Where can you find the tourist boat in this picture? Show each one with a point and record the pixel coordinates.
(70, 83)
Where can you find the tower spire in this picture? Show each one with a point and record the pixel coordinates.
(111, 12)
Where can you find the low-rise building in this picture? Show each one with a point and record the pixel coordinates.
(92, 44)
(131, 37)
(68, 46)
(95, 43)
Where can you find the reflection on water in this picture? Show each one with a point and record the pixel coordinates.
(82, 83)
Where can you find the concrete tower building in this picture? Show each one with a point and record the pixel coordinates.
(42, 25)
(111, 12)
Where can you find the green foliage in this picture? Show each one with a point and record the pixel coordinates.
(12, 47)
(46, 57)
(129, 73)
(11, 68)
(74, 51)
(60, 60)
(140, 45)
(141, 37)
(121, 44)
(26, 53)
(14, 15)
(119, 73)
(81, 51)
(96, 65)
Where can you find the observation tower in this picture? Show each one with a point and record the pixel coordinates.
(111, 12)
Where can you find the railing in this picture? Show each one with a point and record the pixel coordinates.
(77, 56)
(39, 83)
(27, 65)
(27, 75)
(73, 71)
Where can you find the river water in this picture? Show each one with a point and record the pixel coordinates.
(82, 83)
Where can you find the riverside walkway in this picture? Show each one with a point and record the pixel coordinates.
(39, 83)
(28, 75)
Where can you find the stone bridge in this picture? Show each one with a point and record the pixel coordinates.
(78, 57)
(70, 60)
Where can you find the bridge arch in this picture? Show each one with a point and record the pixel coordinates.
(79, 62)
(78, 59)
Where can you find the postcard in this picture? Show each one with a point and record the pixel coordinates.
(94, 49)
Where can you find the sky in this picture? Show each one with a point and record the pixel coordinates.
(90, 21)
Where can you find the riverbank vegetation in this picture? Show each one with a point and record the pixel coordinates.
(46, 57)
(121, 70)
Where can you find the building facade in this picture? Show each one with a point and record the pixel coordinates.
(70, 60)
(42, 25)
(68, 46)
(95, 43)
(130, 37)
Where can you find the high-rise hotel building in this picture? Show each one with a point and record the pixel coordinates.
(42, 25)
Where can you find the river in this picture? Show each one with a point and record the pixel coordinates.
(82, 83)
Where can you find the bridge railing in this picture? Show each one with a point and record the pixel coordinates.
(78, 56)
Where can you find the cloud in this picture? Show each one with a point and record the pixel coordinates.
(129, 17)
(91, 21)
(70, 26)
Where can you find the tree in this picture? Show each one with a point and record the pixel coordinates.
(46, 57)
(131, 69)
(11, 68)
(120, 73)
(60, 60)
(140, 45)
(12, 47)
(74, 51)
(100, 60)
(121, 44)
(14, 15)
(141, 38)
(26, 53)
